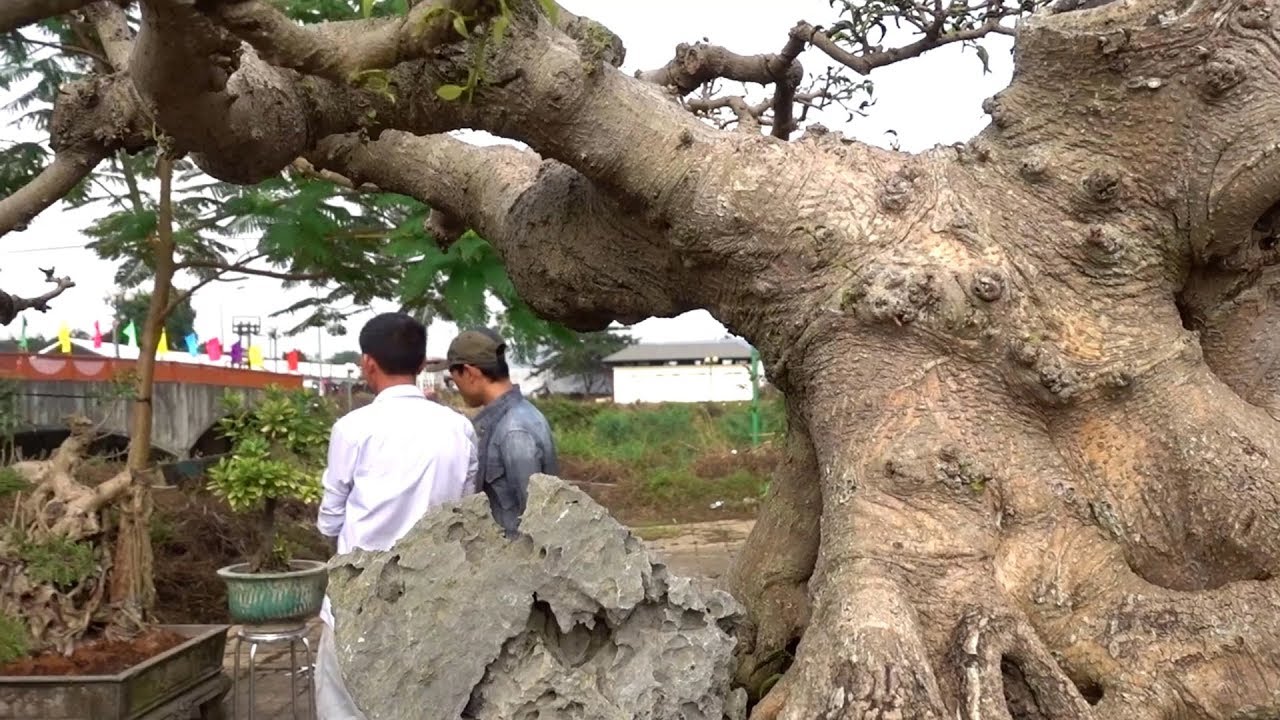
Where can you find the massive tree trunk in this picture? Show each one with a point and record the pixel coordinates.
(1029, 473)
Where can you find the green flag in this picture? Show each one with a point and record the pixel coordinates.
(131, 333)
(22, 340)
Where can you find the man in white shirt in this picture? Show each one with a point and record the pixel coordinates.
(389, 463)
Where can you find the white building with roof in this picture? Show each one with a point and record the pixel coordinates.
(713, 371)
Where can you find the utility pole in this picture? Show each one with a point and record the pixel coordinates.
(755, 397)
(246, 328)
(274, 336)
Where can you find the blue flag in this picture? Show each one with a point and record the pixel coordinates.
(193, 344)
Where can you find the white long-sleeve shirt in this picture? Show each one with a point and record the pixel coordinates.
(389, 463)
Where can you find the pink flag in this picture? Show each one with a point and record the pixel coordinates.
(97, 335)
(214, 348)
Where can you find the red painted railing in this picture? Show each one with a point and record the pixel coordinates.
(80, 368)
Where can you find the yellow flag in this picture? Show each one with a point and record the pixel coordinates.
(255, 357)
(163, 346)
(64, 338)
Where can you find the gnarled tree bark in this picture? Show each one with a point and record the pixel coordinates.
(1033, 464)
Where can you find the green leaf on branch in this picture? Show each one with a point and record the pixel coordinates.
(376, 80)
(460, 26)
(450, 92)
(500, 25)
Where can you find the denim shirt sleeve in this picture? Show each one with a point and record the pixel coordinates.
(521, 459)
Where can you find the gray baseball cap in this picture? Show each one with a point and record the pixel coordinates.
(482, 348)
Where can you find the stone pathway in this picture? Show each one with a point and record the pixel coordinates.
(703, 549)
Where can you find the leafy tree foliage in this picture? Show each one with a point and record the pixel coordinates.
(349, 247)
(131, 307)
(581, 356)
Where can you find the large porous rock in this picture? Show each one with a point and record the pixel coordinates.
(572, 620)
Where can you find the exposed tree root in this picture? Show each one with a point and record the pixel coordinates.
(57, 509)
(770, 575)
(862, 657)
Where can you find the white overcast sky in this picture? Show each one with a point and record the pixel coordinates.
(931, 100)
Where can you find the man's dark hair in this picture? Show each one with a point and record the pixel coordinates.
(496, 372)
(395, 341)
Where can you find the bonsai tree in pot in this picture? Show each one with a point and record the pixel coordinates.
(277, 454)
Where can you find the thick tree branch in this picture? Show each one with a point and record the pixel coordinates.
(11, 305)
(56, 180)
(111, 25)
(694, 65)
(784, 92)
(341, 51)
(92, 118)
(556, 232)
(243, 118)
(15, 14)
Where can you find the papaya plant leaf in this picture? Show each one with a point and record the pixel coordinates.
(450, 92)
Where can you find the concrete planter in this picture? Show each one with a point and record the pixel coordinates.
(180, 682)
(272, 598)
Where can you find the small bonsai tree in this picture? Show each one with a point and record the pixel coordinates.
(278, 447)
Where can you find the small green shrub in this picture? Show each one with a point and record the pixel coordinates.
(162, 531)
(278, 449)
(735, 426)
(59, 561)
(11, 482)
(564, 414)
(13, 639)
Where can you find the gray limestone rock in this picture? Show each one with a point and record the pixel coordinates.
(572, 620)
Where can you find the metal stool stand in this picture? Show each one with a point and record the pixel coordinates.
(255, 636)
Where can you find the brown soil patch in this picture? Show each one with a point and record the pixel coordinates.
(194, 533)
(98, 657)
(627, 502)
(597, 472)
(760, 461)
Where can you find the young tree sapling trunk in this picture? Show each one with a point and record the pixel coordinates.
(132, 581)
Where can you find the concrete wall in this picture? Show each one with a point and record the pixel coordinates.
(681, 383)
(183, 412)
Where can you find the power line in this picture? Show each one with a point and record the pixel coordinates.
(47, 249)
(232, 238)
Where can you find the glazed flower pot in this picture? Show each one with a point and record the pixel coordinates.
(275, 597)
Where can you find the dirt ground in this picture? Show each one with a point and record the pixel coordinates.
(703, 549)
(194, 534)
(100, 657)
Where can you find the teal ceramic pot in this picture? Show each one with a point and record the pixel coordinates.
(275, 597)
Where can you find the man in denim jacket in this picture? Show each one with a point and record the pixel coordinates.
(513, 438)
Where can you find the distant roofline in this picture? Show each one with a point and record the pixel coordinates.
(727, 349)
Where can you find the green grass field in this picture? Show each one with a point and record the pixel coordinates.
(655, 463)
